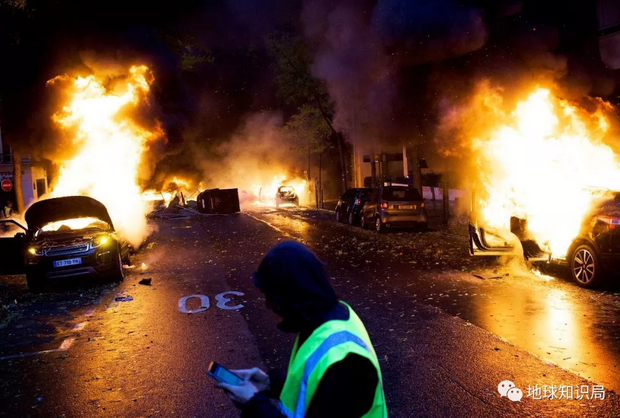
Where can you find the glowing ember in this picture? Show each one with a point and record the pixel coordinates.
(109, 148)
(540, 162)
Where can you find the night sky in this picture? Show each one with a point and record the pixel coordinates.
(393, 61)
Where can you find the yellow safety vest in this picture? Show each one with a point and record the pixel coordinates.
(328, 344)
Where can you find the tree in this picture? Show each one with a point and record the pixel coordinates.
(298, 87)
(312, 134)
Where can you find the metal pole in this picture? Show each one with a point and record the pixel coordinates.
(446, 198)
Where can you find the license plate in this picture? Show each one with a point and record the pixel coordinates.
(69, 262)
(406, 207)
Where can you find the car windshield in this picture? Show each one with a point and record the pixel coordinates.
(401, 194)
(76, 224)
(286, 190)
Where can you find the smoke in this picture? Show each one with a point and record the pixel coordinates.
(258, 154)
(363, 51)
(429, 30)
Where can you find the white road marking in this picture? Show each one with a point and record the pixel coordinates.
(80, 326)
(66, 344)
(222, 301)
(270, 225)
(204, 304)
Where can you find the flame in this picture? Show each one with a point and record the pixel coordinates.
(541, 161)
(266, 194)
(109, 148)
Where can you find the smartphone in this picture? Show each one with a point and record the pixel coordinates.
(223, 375)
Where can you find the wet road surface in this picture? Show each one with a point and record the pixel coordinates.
(447, 328)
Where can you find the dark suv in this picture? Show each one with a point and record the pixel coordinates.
(361, 197)
(65, 237)
(345, 203)
(394, 207)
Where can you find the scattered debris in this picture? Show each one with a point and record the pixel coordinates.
(146, 282)
(488, 278)
(123, 297)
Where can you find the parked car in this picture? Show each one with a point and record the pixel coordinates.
(286, 194)
(345, 203)
(592, 256)
(64, 237)
(394, 207)
(362, 196)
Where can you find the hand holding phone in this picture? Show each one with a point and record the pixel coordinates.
(256, 376)
(223, 375)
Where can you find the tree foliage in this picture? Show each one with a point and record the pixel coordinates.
(309, 131)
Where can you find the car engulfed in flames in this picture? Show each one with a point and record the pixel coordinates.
(65, 237)
(546, 185)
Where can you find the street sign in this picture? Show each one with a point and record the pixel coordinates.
(6, 185)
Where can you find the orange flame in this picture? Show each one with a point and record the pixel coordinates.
(540, 162)
(109, 149)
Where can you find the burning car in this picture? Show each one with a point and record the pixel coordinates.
(65, 237)
(286, 194)
(592, 256)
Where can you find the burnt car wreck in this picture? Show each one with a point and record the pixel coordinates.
(64, 237)
(592, 257)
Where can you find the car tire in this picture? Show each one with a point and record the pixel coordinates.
(118, 272)
(585, 268)
(352, 220)
(363, 223)
(36, 283)
(379, 227)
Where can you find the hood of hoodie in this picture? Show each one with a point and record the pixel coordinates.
(294, 278)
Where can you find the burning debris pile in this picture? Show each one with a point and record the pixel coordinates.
(109, 147)
(543, 159)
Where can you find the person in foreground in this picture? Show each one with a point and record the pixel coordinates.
(333, 370)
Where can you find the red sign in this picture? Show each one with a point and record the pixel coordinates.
(6, 185)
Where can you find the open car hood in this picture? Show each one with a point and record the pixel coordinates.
(61, 208)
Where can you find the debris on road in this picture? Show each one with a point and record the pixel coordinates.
(146, 282)
(488, 278)
(123, 297)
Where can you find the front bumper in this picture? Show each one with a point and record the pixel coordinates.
(94, 263)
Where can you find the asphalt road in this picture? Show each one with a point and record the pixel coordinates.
(447, 328)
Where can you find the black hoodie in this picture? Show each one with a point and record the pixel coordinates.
(296, 285)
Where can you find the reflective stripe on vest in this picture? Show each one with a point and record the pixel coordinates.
(329, 343)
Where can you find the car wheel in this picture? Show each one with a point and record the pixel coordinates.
(118, 272)
(379, 227)
(363, 221)
(352, 218)
(584, 266)
(35, 282)
(338, 215)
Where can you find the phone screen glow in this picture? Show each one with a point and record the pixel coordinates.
(226, 376)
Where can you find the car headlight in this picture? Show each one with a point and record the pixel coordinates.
(35, 251)
(100, 241)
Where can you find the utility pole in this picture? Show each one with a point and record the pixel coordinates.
(446, 198)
